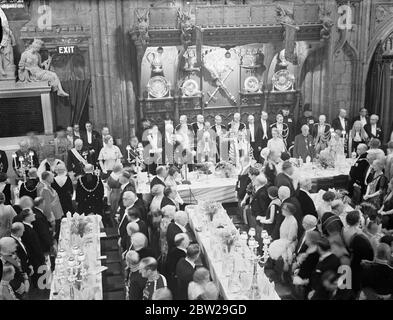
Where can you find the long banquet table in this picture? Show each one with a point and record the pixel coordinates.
(218, 267)
(223, 190)
(90, 285)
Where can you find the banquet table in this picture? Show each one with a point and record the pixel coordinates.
(89, 286)
(223, 190)
(218, 266)
(202, 187)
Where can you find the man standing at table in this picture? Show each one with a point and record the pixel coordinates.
(341, 122)
(252, 135)
(220, 131)
(284, 178)
(357, 174)
(264, 132)
(91, 139)
(304, 145)
(373, 130)
(288, 120)
(78, 158)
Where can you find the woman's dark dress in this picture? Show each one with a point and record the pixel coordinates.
(65, 194)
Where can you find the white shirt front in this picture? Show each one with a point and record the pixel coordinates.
(251, 126)
(342, 121)
(89, 137)
(374, 129)
(218, 129)
(190, 262)
(20, 242)
(264, 127)
(363, 120)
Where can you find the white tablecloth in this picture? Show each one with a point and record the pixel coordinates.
(216, 265)
(91, 286)
(223, 190)
(208, 187)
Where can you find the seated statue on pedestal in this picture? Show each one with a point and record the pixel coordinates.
(32, 69)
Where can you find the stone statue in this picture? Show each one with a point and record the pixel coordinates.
(7, 67)
(143, 27)
(186, 27)
(32, 69)
(327, 23)
(285, 16)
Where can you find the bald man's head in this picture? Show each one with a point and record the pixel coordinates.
(284, 193)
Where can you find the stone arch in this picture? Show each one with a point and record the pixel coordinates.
(381, 34)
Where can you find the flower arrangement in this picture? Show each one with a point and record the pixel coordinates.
(204, 168)
(229, 237)
(326, 159)
(225, 169)
(211, 208)
(80, 225)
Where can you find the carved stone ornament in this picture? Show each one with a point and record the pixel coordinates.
(141, 30)
(283, 81)
(327, 23)
(186, 27)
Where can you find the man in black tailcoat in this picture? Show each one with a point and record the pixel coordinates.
(90, 192)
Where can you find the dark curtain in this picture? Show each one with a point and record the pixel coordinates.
(379, 94)
(79, 92)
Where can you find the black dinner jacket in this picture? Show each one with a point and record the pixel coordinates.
(3, 162)
(74, 165)
(184, 274)
(314, 129)
(23, 256)
(261, 133)
(32, 243)
(300, 147)
(359, 169)
(172, 231)
(301, 245)
(195, 128)
(306, 203)
(260, 202)
(42, 227)
(167, 202)
(242, 126)
(96, 140)
(336, 124)
(283, 180)
(223, 128)
(379, 134)
(172, 259)
(331, 262)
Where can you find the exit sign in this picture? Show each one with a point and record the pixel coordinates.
(66, 49)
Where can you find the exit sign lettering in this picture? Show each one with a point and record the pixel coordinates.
(66, 49)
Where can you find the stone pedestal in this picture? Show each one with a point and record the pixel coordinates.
(12, 89)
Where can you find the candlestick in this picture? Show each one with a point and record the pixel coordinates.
(128, 148)
(31, 154)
